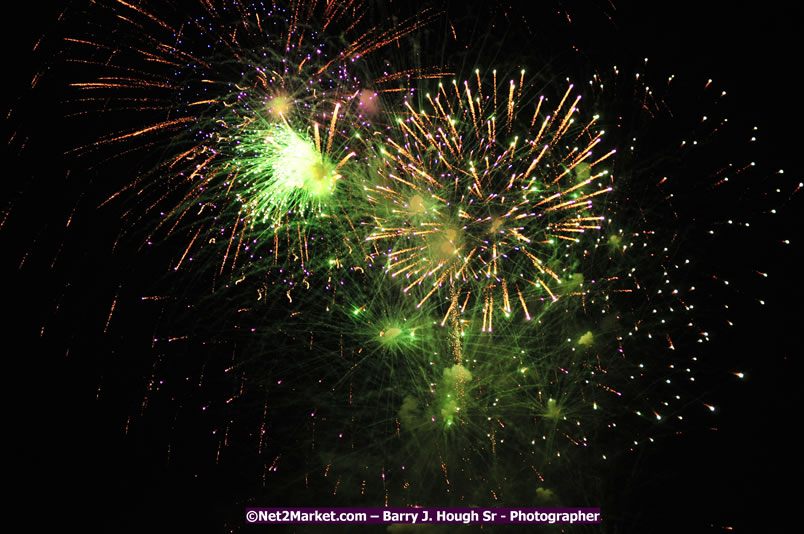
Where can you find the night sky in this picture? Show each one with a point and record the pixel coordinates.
(77, 382)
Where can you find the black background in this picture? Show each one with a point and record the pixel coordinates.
(69, 449)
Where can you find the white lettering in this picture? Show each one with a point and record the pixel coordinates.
(457, 517)
(401, 517)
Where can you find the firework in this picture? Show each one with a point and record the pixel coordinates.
(462, 198)
(391, 375)
(253, 108)
(386, 290)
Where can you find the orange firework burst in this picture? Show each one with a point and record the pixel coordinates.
(482, 190)
(229, 93)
